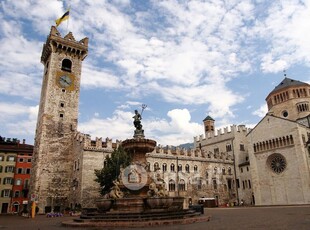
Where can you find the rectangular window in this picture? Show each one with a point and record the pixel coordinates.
(27, 171)
(20, 160)
(26, 184)
(8, 180)
(238, 184)
(243, 185)
(229, 184)
(241, 147)
(214, 184)
(228, 147)
(19, 171)
(11, 158)
(1, 158)
(249, 184)
(9, 169)
(29, 159)
(216, 151)
(6, 193)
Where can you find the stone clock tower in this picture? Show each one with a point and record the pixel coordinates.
(51, 176)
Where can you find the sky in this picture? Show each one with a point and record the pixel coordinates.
(184, 59)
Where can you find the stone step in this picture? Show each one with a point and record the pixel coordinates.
(137, 216)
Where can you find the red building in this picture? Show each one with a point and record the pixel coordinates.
(15, 167)
(21, 182)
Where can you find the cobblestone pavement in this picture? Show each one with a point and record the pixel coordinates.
(282, 217)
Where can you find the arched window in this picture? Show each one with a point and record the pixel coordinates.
(18, 182)
(172, 167)
(207, 175)
(171, 185)
(164, 167)
(66, 65)
(181, 185)
(156, 166)
(187, 168)
(229, 171)
(215, 170)
(223, 171)
(195, 168)
(179, 168)
(16, 193)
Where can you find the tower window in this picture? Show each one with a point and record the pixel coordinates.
(66, 65)
(285, 113)
(62, 104)
(61, 115)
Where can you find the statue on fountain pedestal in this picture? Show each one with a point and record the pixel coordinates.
(139, 132)
(137, 120)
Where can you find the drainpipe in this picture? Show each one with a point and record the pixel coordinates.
(177, 182)
(233, 151)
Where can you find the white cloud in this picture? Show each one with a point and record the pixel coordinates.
(178, 130)
(262, 111)
(18, 119)
(98, 78)
(179, 52)
(285, 33)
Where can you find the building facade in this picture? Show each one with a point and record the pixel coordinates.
(15, 168)
(280, 160)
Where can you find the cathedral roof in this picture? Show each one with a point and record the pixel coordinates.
(208, 118)
(288, 82)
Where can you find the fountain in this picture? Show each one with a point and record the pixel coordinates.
(138, 197)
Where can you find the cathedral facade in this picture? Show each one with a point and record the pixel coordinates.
(267, 165)
(278, 147)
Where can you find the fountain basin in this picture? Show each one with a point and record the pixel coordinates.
(103, 204)
(159, 202)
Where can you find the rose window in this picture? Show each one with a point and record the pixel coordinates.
(277, 163)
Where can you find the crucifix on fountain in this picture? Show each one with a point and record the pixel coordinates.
(139, 132)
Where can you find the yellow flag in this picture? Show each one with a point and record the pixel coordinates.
(62, 18)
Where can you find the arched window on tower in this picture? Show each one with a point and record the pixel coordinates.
(66, 65)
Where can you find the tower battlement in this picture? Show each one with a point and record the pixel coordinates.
(66, 44)
(173, 152)
(223, 133)
(96, 144)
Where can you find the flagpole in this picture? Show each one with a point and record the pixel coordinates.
(68, 19)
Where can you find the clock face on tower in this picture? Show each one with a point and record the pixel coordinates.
(65, 81)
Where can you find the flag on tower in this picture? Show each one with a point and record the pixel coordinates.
(62, 18)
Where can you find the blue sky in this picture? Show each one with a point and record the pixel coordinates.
(184, 59)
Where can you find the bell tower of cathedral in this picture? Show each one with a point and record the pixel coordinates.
(57, 120)
(208, 123)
